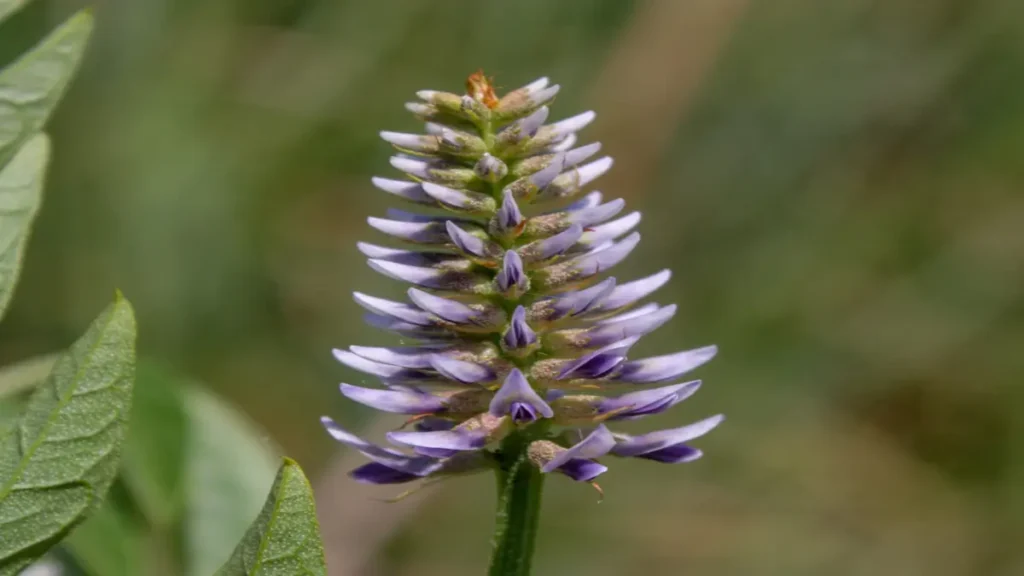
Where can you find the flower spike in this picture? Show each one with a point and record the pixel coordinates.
(520, 343)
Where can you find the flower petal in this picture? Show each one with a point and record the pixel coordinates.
(650, 370)
(519, 334)
(581, 301)
(676, 454)
(631, 292)
(397, 310)
(512, 273)
(509, 217)
(598, 443)
(653, 441)
(598, 363)
(461, 371)
(590, 216)
(416, 465)
(517, 390)
(376, 473)
(606, 333)
(406, 357)
(450, 310)
(443, 439)
(581, 469)
(396, 401)
(647, 402)
(361, 364)
(403, 189)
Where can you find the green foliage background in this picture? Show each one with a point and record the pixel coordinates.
(838, 186)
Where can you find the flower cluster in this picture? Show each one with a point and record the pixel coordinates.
(518, 334)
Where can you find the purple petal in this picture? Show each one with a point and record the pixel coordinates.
(591, 264)
(542, 178)
(509, 217)
(588, 201)
(411, 166)
(581, 469)
(580, 301)
(642, 324)
(407, 329)
(458, 199)
(408, 357)
(511, 273)
(598, 363)
(443, 439)
(594, 170)
(396, 401)
(634, 313)
(375, 473)
(397, 310)
(466, 242)
(611, 230)
(419, 232)
(435, 452)
(408, 257)
(517, 390)
(555, 245)
(519, 334)
(660, 368)
(572, 124)
(647, 402)
(403, 189)
(450, 310)
(677, 454)
(630, 292)
(528, 126)
(577, 155)
(587, 217)
(377, 369)
(646, 443)
(562, 144)
(461, 371)
(416, 465)
(420, 276)
(598, 443)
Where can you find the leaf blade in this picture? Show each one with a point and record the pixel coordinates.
(21, 192)
(32, 86)
(284, 540)
(228, 470)
(59, 460)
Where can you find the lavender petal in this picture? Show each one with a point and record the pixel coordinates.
(461, 371)
(395, 401)
(517, 390)
(657, 369)
(646, 443)
(597, 444)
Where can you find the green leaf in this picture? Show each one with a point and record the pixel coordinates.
(153, 465)
(31, 87)
(285, 538)
(109, 543)
(228, 469)
(21, 377)
(21, 191)
(57, 463)
(9, 6)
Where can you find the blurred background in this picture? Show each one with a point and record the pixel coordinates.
(838, 187)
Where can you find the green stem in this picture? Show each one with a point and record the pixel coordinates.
(519, 493)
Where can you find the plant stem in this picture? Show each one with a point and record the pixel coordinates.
(519, 494)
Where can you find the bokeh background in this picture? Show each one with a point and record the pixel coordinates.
(838, 186)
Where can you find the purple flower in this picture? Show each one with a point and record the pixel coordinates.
(518, 336)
